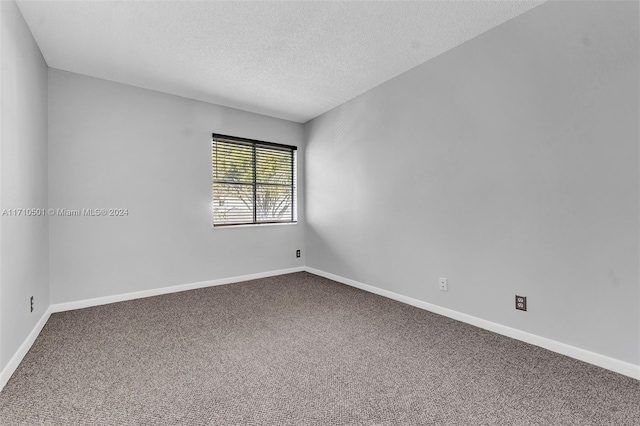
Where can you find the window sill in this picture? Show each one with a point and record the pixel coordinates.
(253, 225)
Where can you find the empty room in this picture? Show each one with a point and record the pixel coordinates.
(320, 212)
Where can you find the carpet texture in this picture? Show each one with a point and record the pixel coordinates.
(298, 350)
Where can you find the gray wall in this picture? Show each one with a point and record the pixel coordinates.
(24, 241)
(118, 146)
(508, 165)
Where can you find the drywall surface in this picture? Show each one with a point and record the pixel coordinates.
(24, 242)
(113, 146)
(509, 165)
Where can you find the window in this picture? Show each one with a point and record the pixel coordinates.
(254, 182)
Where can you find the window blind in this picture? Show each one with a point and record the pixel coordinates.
(254, 182)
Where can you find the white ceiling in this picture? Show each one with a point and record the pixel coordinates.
(292, 60)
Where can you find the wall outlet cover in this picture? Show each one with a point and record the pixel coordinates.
(521, 303)
(442, 284)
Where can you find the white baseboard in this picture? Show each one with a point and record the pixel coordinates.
(79, 304)
(13, 364)
(8, 371)
(603, 361)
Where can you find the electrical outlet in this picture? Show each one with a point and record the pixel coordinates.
(442, 284)
(297, 253)
(31, 301)
(521, 303)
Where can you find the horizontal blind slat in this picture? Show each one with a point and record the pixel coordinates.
(253, 182)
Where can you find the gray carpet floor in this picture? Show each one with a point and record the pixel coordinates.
(298, 350)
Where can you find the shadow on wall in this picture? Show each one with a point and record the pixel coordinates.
(320, 245)
(354, 121)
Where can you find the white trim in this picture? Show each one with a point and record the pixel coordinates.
(79, 304)
(253, 225)
(594, 358)
(13, 364)
(603, 361)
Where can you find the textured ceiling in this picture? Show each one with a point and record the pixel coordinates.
(292, 60)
